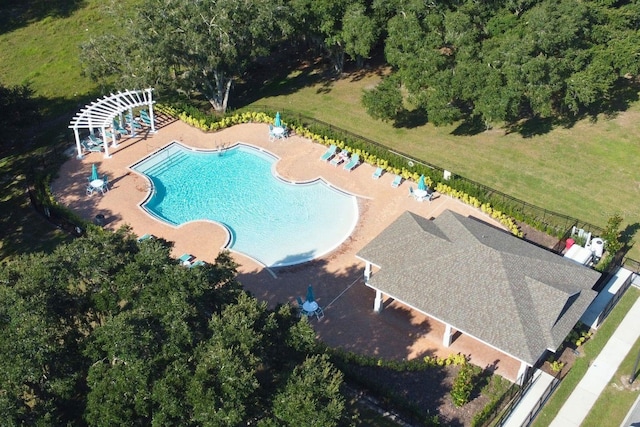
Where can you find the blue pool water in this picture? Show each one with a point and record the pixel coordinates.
(270, 220)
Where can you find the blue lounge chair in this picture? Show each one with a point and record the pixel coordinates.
(355, 160)
(377, 174)
(198, 263)
(119, 129)
(186, 259)
(144, 116)
(95, 140)
(146, 237)
(339, 158)
(331, 151)
(396, 181)
(132, 123)
(90, 147)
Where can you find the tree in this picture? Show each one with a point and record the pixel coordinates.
(19, 110)
(384, 102)
(191, 46)
(311, 396)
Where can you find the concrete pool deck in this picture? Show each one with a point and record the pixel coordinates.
(349, 322)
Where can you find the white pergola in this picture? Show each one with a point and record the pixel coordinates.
(101, 113)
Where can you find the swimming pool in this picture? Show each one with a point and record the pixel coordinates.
(275, 222)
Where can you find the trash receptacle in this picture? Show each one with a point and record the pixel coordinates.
(99, 220)
(569, 243)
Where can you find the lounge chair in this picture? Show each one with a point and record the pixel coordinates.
(144, 116)
(355, 160)
(198, 263)
(377, 174)
(119, 129)
(95, 140)
(146, 237)
(186, 259)
(338, 158)
(396, 181)
(90, 147)
(331, 151)
(132, 123)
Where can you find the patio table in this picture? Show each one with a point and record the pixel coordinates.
(98, 184)
(310, 307)
(278, 132)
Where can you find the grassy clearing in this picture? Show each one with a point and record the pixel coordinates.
(591, 350)
(588, 171)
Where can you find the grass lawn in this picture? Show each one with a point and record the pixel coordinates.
(608, 410)
(588, 170)
(591, 350)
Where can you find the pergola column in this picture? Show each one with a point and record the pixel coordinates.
(78, 146)
(377, 302)
(153, 121)
(448, 335)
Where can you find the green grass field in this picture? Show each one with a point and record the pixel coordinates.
(588, 170)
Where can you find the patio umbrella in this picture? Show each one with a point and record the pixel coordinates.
(277, 123)
(310, 297)
(94, 172)
(421, 185)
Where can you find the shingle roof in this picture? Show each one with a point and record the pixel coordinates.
(482, 281)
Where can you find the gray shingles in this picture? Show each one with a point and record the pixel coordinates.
(485, 282)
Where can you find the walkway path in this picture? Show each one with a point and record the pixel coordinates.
(580, 402)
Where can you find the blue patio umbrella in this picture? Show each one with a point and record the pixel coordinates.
(94, 172)
(310, 297)
(277, 122)
(421, 185)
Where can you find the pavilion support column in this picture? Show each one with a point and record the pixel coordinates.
(377, 303)
(367, 271)
(522, 372)
(153, 121)
(78, 146)
(448, 335)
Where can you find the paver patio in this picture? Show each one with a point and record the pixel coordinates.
(337, 277)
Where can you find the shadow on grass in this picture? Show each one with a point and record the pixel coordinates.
(19, 13)
(410, 119)
(470, 126)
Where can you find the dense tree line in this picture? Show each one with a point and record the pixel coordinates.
(109, 331)
(494, 60)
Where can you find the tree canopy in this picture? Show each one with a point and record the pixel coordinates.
(109, 331)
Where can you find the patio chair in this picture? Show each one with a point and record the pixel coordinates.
(105, 183)
(319, 313)
(272, 136)
(90, 190)
(377, 174)
(396, 181)
(303, 312)
(355, 160)
(331, 151)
